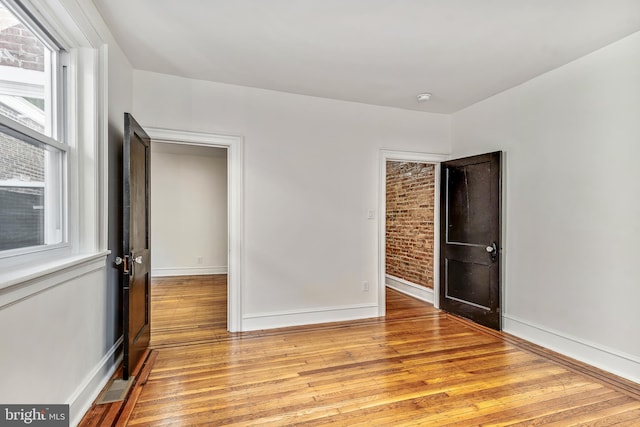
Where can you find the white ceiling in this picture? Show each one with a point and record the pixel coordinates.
(380, 52)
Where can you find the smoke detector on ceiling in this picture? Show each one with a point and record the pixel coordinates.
(423, 97)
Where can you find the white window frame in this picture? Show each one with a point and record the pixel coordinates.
(51, 85)
(24, 273)
(54, 185)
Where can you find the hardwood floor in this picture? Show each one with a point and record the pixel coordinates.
(417, 366)
(188, 309)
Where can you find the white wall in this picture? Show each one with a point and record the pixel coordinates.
(572, 143)
(55, 345)
(311, 174)
(189, 211)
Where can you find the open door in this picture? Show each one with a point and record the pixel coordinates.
(136, 246)
(470, 238)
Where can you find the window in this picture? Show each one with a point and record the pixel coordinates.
(53, 146)
(33, 147)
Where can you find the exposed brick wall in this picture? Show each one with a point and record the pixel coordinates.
(409, 223)
(20, 48)
(20, 161)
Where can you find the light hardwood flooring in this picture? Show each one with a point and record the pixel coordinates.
(188, 309)
(417, 366)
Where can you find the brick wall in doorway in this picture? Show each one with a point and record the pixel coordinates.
(409, 221)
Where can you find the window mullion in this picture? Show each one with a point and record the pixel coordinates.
(17, 130)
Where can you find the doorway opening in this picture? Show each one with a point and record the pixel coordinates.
(207, 184)
(189, 232)
(189, 206)
(410, 198)
(409, 225)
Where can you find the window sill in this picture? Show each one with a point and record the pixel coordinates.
(22, 283)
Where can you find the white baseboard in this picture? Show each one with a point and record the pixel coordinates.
(616, 362)
(258, 321)
(84, 396)
(188, 271)
(409, 288)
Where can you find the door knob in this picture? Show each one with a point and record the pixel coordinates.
(138, 260)
(493, 251)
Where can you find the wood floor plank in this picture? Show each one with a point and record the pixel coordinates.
(417, 366)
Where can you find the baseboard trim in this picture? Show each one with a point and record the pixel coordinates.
(409, 288)
(618, 363)
(282, 319)
(84, 396)
(188, 271)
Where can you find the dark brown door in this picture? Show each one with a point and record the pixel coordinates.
(136, 243)
(470, 225)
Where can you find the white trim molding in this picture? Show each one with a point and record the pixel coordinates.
(19, 284)
(87, 392)
(235, 206)
(172, 136)
(188, 271)
(409, 288)
(610, 360)
(406, 156)
(281, 319)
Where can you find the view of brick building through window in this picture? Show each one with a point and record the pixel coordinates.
(410, 189)
(22, 165)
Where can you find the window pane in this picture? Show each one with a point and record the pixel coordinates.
(30, 194)
(25, 75)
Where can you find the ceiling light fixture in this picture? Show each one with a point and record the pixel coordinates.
(422, 97)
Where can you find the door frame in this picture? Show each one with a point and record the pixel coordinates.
(414, 157)
(235, 208)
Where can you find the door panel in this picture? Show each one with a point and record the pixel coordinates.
(467, 186)
(470, 230)
(468, 282)
(136, 244)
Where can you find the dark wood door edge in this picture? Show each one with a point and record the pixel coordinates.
(118, 413)
(616, 382)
